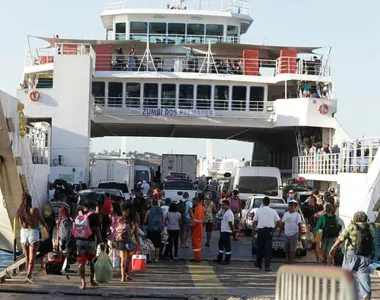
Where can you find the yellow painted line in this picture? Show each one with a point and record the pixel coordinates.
(205, 279)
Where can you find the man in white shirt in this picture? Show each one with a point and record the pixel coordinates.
(266, 221)
(227, 227)
(145, 187)
(291, 225)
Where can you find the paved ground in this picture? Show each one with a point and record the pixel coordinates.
(180, 280)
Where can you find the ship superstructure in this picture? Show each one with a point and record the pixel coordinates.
(182, 69)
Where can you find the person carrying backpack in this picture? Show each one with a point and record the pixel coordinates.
(185, 208)
(155, 220)
(87, 233)
(359, 239)
(329, 224)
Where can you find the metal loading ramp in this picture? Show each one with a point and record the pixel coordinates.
(10, 184)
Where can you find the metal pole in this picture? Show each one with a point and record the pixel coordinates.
(208, 57)
(286, 89)
(14, 239)
(376, 243)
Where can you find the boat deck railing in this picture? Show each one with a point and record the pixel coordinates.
(354, 156)
(184, 107)
(217, 64)
(237, 6)
(200, 63)
(46, 55)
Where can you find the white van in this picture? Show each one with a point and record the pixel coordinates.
(256, 180)
(142, 173)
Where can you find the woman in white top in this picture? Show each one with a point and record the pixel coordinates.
(173, 221)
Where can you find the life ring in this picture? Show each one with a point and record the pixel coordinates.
(323, 109)
(34, 96)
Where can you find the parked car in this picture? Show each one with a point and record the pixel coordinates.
(96, 196)
(123, 186)
(252, 205)
(278, 241)
(174, 188)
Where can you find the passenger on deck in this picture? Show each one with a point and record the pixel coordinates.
(132, 60)
(191, 59)
(306, 87)
(120, 58)
(317, 65)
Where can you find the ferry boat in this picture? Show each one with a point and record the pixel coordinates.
(178, 70)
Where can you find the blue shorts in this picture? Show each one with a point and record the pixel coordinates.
(130, 247)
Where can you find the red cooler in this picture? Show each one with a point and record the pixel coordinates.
(138, 262)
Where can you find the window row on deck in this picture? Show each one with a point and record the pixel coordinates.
(177, 33)
(181, 96)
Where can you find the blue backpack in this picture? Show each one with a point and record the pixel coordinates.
(156, 219)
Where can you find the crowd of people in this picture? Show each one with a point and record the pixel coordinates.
(326, 232)
(156, 228)
(146, 225)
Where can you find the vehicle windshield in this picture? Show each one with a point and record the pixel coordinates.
(303, 198)
(91, 198)
(259, 201)
(178, 185)
(258, 185)
(114, 185)
(141, 175)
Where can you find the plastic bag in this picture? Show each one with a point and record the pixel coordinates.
(103, 268)
(115, 258)
(43, 233)
(98, 250)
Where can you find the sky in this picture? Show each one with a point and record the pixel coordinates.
(351, 28)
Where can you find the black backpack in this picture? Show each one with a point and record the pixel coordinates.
(182, 208)
(331, 227)
(364, 241)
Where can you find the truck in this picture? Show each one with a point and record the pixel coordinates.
(179, 163)
(113, 173)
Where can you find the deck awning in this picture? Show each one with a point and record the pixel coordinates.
(227, 49)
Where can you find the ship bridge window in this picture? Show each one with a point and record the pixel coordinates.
(132, 94)
(239, 96)
(99, 92)
(138, 31)
(150, 95)
(214, 33)
(115, 94)
(256, 98)
(221, 96)
(203, 96)
(120, 31)
(195, 33)
(232, 34)
(157, 32)
(168, 95)
(186, 96)
(176, 32)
